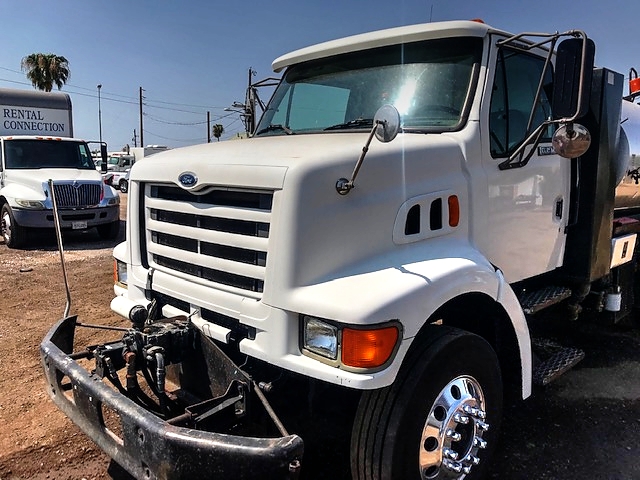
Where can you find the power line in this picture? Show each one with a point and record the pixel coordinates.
(149, 102)
(199, 139)
(167, 122)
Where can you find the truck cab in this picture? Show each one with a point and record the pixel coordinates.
(394, 269)
(36, 146)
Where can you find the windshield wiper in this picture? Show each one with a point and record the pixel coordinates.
(275, 127)
(357, 123)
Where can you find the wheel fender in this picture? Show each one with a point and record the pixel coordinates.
(412, 292)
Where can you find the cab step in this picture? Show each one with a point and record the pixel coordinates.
(552, 360)
(535, 300)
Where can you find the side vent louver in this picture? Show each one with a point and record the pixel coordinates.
(427, 216)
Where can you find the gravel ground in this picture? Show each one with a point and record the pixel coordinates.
(583, 426)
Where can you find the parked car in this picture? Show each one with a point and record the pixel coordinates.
(123, 183)
(118, 180)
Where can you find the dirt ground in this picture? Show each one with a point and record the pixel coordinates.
(36, 440)
(585, 425)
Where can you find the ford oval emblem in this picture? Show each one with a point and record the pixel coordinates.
(188, 179)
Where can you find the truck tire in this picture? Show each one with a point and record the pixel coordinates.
(123, 185)
(14, 235)
(438, 420)
(109, 231)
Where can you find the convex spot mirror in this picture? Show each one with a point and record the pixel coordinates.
(387, 123)
(571, 140)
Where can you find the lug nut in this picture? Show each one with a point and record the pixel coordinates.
(451, 454)
(482, 426)
(453, 435)
(453, 466)
(474, 460)
(469, 410)
(479, 442)
(458, 418)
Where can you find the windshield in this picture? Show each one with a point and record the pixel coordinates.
(26, 154)
(428, 82)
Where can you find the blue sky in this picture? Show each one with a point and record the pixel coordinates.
(193, 56)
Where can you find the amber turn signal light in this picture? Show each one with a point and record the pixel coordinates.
(368, 348)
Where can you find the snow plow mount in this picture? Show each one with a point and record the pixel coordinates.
(158, 428)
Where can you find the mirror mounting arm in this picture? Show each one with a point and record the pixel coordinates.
(386, 125)
(344, 186)
(523, 160)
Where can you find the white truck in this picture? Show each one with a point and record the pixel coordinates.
(307, 280)
(37, 145)
(119, 164)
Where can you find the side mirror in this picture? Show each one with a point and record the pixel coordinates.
(387, 123)
(571, 140)
(103, 158)
(573, 78)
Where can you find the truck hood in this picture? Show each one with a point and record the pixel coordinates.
(28, 183)
(255, 162)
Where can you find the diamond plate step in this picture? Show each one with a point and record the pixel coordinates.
(535, 300)
(555, 360)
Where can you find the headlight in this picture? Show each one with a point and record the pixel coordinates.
(114, 201)
(32, 204)
(320, 337)
(353, 348)
(120, 273)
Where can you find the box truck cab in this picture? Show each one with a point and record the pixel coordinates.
(37, 145)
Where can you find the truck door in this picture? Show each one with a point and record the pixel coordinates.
(526, 206)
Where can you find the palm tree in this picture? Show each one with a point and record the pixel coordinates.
(218, 130)
(46, 69)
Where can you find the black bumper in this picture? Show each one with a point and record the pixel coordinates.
(147, 446)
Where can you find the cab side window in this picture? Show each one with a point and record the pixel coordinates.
(514, 91)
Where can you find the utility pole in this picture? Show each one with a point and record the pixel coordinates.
(99, 112)
(135, 138)
(252, 100)
(208, 126)
(250, 104)
(141, 129)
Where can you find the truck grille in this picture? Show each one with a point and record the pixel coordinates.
(77, 195)
(218, 235)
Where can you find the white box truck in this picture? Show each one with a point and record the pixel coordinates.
(36, 145)
(305, 280)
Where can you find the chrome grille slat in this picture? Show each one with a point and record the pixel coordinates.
(218, 236)
(77, 195)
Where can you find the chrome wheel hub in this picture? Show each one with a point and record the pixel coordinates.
(452, 434)
(5, 227)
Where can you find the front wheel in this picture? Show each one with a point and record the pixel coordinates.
(439, 419)
(124, 186)
(14, 235)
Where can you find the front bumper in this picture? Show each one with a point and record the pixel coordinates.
(147, 446)
(44, 218)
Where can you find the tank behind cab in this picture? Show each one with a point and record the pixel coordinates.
(628, 161)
